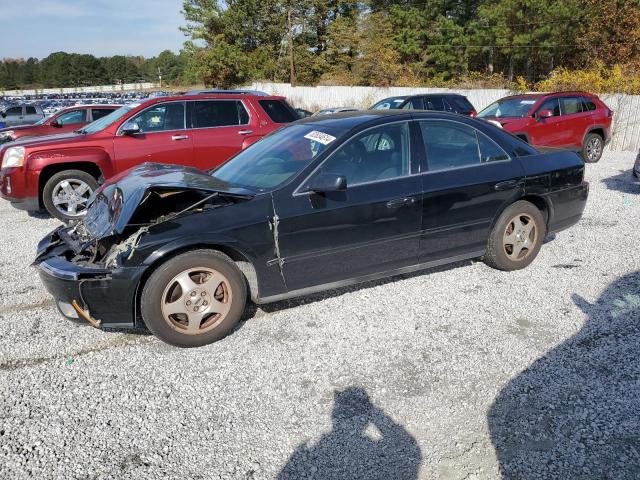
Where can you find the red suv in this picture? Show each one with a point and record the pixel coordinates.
(60, 172)
(576, 121)
(64, 121)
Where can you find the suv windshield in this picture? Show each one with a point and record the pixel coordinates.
(276, 158)
(513, 107)
(104, 122)
(387, 103)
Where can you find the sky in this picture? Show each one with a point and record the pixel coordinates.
(36, 28)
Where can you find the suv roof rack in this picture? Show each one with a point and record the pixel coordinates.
(234, 92)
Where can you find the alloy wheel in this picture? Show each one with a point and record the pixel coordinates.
(70, 197)
(196, 300)
(520, 237)
(594, 149)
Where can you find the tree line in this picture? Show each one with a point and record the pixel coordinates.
(406, 42)
(489, 43)
(61, 69)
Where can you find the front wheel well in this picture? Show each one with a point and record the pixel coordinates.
(241, 261)
(50, 170)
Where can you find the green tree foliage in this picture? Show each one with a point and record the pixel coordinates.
(368, 42)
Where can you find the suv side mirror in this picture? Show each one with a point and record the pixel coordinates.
(4, 114)
(130, 128)
(54, 123)
(544, 114)
(328, 182)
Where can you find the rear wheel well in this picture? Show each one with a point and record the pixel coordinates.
(540, 204)
(597, 131)
(241, 261)
(50, 170)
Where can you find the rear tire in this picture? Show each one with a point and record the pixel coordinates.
(194, 299)
(516, 237)
(592, 148)
(66, 193)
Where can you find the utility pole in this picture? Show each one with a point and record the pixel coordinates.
(292, 72)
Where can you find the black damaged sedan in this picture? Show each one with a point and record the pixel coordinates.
(325, 202)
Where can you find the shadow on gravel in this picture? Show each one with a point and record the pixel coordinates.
(575, 413)
(365, 443)
(624, 182)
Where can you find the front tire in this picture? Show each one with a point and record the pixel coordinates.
(194, 299)
(592, 148)
(65, 195)
(516, 237)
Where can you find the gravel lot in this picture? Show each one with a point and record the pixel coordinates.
(464, 372)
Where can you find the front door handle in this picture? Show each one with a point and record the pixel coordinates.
(175, 138)
(401, 202)
(245, 132)
(507, 185)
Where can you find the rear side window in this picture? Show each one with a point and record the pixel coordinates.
(460, 104)
(31, 110)
(451, 145)
(589, 104)
(218, 113)
(571, 105)
(100, 112)
(278, 111)
(434, 103)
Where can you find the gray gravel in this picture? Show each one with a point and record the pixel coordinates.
(465, 372)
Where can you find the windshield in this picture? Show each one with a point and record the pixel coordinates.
(387, 103)
(514, 107)
(113, 117)
(276, 158)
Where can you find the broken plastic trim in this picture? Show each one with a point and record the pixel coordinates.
(85, 315)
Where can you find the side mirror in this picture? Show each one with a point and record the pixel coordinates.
(328, 182)
(54, 123)
(4, 114)
(544, 114)
(130, 128)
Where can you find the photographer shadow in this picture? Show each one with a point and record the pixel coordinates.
(365, 443)
(575, 413)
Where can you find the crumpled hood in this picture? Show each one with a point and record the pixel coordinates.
(114, 203)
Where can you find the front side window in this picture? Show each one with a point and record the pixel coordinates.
(276, 158)
(553, 105)
(70, 118)
(378, 154)
(571, 105)
(451, 145)
(14, 111)
(218, 113)
(161, 118)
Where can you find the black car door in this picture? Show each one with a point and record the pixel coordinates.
(468, 181)
(371, 227)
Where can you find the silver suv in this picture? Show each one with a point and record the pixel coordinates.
(21, 115)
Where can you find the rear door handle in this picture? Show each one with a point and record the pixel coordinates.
(401, 202)
(245, 132)
(507, 185)
(175, 138)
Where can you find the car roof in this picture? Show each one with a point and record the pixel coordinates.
(206, 96)
(549, 94)
(362, 118)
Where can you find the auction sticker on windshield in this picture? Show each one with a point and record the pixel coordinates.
(320, 137)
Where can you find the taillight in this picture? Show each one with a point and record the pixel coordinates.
(473, 114)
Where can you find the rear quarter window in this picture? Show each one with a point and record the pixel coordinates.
(278, 111)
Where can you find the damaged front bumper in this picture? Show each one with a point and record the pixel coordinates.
(102, 296)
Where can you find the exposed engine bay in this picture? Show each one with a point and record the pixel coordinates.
(158, 205)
